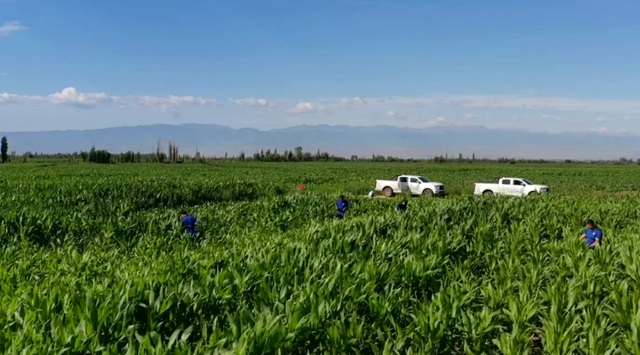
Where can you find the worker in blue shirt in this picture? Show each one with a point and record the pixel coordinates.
(342, 206)
(402, 206)
(592, 234)
(189, 223)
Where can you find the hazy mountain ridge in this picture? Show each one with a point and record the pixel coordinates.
(339, 140)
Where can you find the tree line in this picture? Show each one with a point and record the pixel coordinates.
(4, 149)
(295, 155)
(103, 156)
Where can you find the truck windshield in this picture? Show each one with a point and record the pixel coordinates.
(423, 179)
(527, 182)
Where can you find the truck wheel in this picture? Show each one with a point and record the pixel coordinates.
(427, 193)
(388, 192)
(487, 193)
(532, 193)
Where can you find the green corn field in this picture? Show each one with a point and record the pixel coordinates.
(94, 261)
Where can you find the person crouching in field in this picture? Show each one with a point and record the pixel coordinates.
(592, 234)
(189, 223)
(402, 206)
(342, 206)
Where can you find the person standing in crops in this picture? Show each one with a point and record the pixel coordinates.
(342, 206)
(592, 234)
(189, 223)
(402, 206)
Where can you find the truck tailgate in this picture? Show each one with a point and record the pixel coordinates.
(380, 184)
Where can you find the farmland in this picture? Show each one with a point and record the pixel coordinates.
(94, 261)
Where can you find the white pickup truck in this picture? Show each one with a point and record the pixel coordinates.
(413, 184)
(510, 186)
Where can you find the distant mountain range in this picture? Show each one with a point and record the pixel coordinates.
(338, 140)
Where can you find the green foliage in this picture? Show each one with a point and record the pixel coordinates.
(96, 156)
(94, 261)
(4, 148)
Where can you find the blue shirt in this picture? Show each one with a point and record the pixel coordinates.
(189, 224)
(342, 207)
(592, 235)
(401, 207)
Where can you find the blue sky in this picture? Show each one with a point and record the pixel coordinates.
(563, 65)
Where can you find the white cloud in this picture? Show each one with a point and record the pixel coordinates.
(494, 102)
(405, 100)
(417, 112)
(434, 122)
(394, 103)
(10, 27)
(516, 102)
(251, 102)
(6, 97)
(164, 104)
(601, 130)
(71, 96)
(304, 107)
(355, 100)
(15, 98)
(601, 119)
